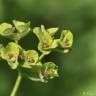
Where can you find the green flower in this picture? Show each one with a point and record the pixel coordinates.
(65, 41)
(46, 39)
(30, 58)
(20, 26)
(16, 32)
(6, 29)
(49, 70)
(10, 54)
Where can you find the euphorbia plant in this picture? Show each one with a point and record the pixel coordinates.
(28, 63)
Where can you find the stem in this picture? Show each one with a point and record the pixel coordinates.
(60, 51)
(16, 42)
(14, 22)
(16, 86)
(41, 57)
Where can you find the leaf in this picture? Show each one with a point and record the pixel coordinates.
(10, 54)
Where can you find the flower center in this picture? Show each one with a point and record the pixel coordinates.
(46, 45)
(31, 60)
(66, 42)
(11, 57)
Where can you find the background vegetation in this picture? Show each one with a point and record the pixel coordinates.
(77, 68)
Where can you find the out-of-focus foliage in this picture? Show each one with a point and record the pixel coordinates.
(78, 69)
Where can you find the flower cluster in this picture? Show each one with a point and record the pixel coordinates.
(29, 62)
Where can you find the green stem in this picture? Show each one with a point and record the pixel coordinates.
(41, 57)
(14, 22)
(16, 42)
(60, 51)
(16, 86)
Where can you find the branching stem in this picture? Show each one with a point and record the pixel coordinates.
(41, 57)
(16, 86)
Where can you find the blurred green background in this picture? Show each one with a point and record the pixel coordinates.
(77, 68)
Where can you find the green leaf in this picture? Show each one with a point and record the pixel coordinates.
(10, 54)
(31, 57)
(49, 70)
